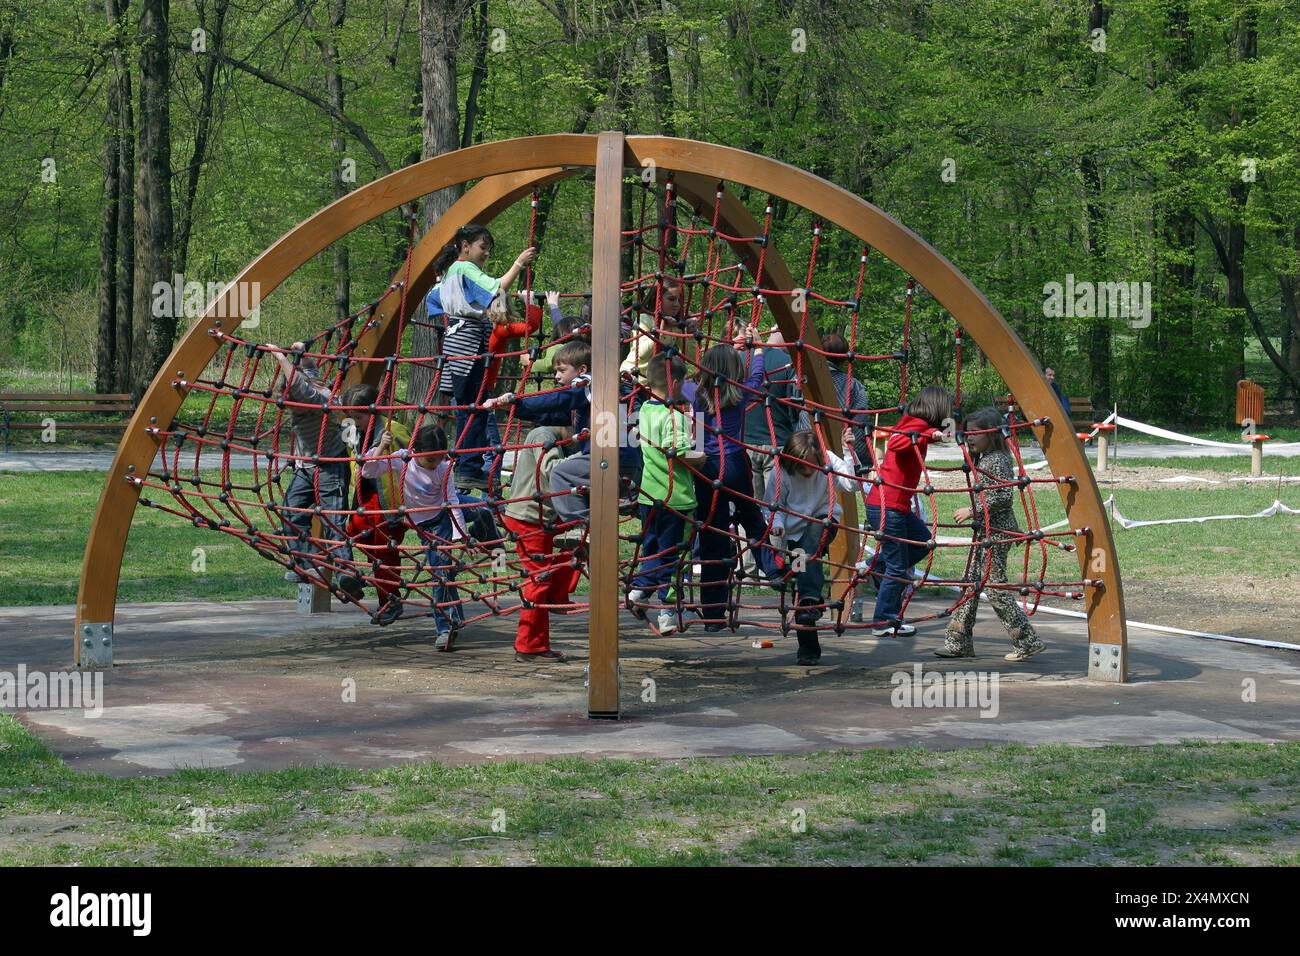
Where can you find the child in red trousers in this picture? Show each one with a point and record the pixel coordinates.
(376, 533)
(552, 575)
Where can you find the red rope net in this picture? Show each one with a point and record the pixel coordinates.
(267, 450)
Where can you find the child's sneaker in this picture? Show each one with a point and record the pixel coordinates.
(541, 657)
(903, 630)
(667, 621)
(352, 586)
(390, 612)
(1026, 651)
(636, 603)
(443, 641)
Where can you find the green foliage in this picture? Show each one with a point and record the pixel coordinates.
(971, 121)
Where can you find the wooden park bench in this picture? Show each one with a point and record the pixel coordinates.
(1082, 414)
(58, 405)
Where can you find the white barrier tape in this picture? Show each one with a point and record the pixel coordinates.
(1279, 645)
(1091, 435)
(1274, 509)
(1146, 429)
(1106, 421)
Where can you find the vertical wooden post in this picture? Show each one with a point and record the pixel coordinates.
(1103, 451)
(313, 599)
(606, 285)
(1256, 458)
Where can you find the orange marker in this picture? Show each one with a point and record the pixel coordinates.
(762, 644)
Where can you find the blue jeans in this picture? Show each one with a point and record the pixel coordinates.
(491, 438)
(327, 486)
(471, 426)
(662, 531)
(733, 505)
(436, 532)
(892, 566)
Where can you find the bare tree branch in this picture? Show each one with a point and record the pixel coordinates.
(353, 127)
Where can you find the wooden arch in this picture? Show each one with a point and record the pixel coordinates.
(508, 170)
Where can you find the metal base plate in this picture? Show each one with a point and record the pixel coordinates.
(1106, 662)
(312, 600)
(97, 645)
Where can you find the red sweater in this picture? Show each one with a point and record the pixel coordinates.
(902, 464)
(500, 338)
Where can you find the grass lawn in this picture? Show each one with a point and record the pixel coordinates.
(44, 520)
(994, 805)
(1274, 465)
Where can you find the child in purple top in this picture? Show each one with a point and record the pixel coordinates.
(722, 389)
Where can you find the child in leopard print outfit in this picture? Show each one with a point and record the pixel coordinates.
(993, 466)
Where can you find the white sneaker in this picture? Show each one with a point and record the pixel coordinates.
(294, 577)
(636, 602)
(667, 621)
(903, 630)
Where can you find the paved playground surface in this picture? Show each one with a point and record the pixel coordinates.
(254, 685)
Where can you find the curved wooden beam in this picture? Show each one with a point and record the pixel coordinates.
(102, 564)
(735, 219)
(950, 288)
(1098, 562)
(482, 204)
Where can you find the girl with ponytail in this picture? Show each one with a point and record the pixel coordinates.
(465, 302)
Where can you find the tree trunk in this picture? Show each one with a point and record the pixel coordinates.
(338, 144)
(440, 25)
(106, 349)
(479, 76)
(1173, 364)
(661, 78)
(105, 353)
(202, 131)
(124, 254)
(153, 224)
(1239, 191)
(1289, 285)
(1099, 333)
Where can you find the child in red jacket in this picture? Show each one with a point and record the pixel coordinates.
(905, 536)
(503, 333)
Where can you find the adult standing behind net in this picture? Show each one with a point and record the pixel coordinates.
(770, 420)
(851, 395)
(646, 333)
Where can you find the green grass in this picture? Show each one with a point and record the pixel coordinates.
(1278, 433)
(44, 520)
(993, 805)
(1274, 465)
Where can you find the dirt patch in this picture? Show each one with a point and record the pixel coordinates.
(1263, 609)
(1152, 478)
(24, 830)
